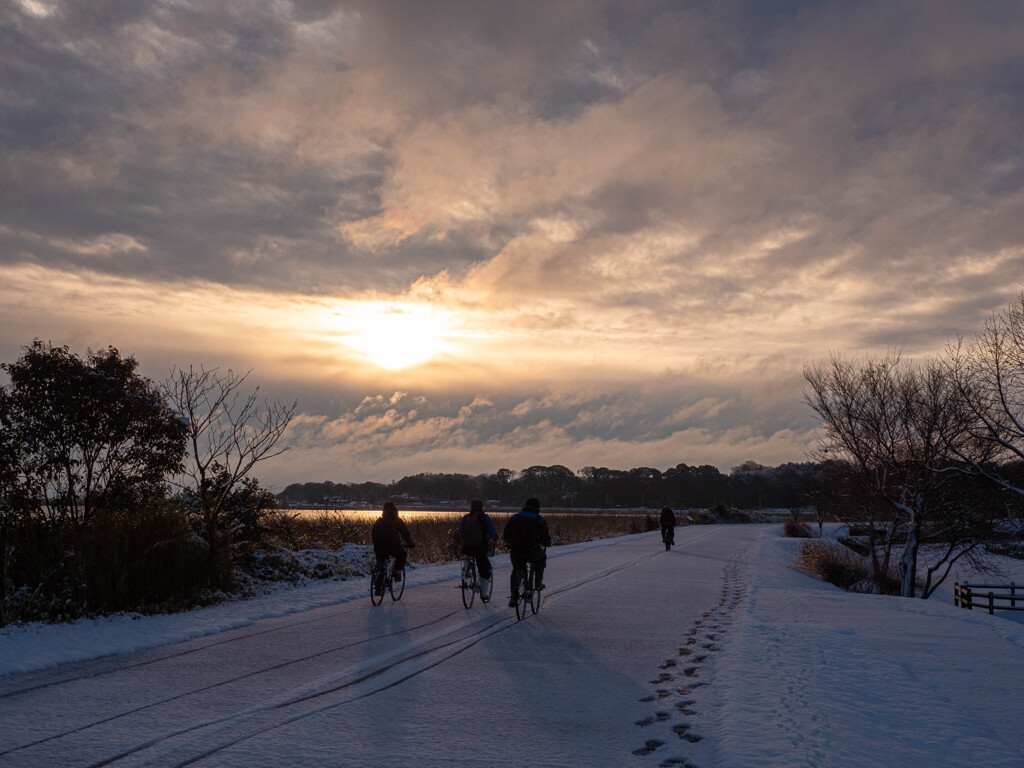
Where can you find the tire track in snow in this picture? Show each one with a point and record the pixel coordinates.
(350, 607)
(211, 686)
(374, 668)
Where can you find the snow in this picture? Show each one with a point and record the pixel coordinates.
(717, 653)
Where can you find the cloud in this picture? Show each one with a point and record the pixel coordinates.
(593, 195)
(659, 423)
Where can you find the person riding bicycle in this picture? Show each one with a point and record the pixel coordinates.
(526, 535)
(477, 532)
(668, 525)
(388, 535)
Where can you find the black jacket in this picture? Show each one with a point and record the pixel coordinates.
(526, 532)
(390, 533)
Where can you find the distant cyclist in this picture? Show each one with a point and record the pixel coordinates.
(527, 535)
(388, 535)
(668, 526)
(477, 532)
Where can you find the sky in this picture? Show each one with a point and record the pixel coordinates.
(466, 236)
(753, 665)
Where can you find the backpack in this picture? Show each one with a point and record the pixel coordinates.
(521, 534)
(472, 531)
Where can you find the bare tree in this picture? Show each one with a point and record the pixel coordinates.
(989, 375)
(900, 428)
(228, 432)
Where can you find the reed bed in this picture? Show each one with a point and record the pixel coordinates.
(436, 535)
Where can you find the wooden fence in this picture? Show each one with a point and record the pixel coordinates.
(985, 596)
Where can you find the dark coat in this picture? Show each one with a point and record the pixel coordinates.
(526, 532)
(388, 533)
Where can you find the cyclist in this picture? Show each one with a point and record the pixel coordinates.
(527, 534)
(388, 535)
(477, 532)
(668, 525)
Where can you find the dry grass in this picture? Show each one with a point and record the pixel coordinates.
(796, 530)
(436, 535)
(834, 563)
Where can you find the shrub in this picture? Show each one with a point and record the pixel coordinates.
(796, 530)
(833, 563)
(146, 561)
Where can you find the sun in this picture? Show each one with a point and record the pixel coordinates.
(396, 336)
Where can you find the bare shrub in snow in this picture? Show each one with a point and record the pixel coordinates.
(794, 530)
(833, 563)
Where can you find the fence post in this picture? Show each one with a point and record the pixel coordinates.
(991, 604)
(1013, 594)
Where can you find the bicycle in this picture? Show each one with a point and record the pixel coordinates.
(469, 582)
(668, 535)
(382, 579)
(524, 579)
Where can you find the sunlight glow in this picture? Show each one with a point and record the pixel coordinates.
(395, 336)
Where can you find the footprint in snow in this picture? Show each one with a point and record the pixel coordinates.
(649, 746)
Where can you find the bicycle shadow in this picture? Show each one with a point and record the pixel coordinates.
(561, 692)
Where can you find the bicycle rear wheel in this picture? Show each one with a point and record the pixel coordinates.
(535, 595)
(468, 581)
(399, 588)
(521, 593)
(376, 584)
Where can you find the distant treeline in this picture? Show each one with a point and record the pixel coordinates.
(748, 486)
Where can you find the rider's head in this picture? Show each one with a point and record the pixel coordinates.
(476, 505)
(390, 510)
(531, 505)
(666, 509)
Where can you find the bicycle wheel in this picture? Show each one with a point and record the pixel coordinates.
(376, 584)
(535, 595)
(399, 588)
(468, 581)
(521, 592)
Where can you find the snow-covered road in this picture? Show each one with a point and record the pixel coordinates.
(716, 654)
(418, 682)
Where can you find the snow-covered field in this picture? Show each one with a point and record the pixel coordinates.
(717, 653)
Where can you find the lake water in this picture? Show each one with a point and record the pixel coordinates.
(411, 514)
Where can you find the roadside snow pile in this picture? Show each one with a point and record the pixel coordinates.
(268, 569)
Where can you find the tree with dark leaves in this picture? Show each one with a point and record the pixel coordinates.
(82, 435)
